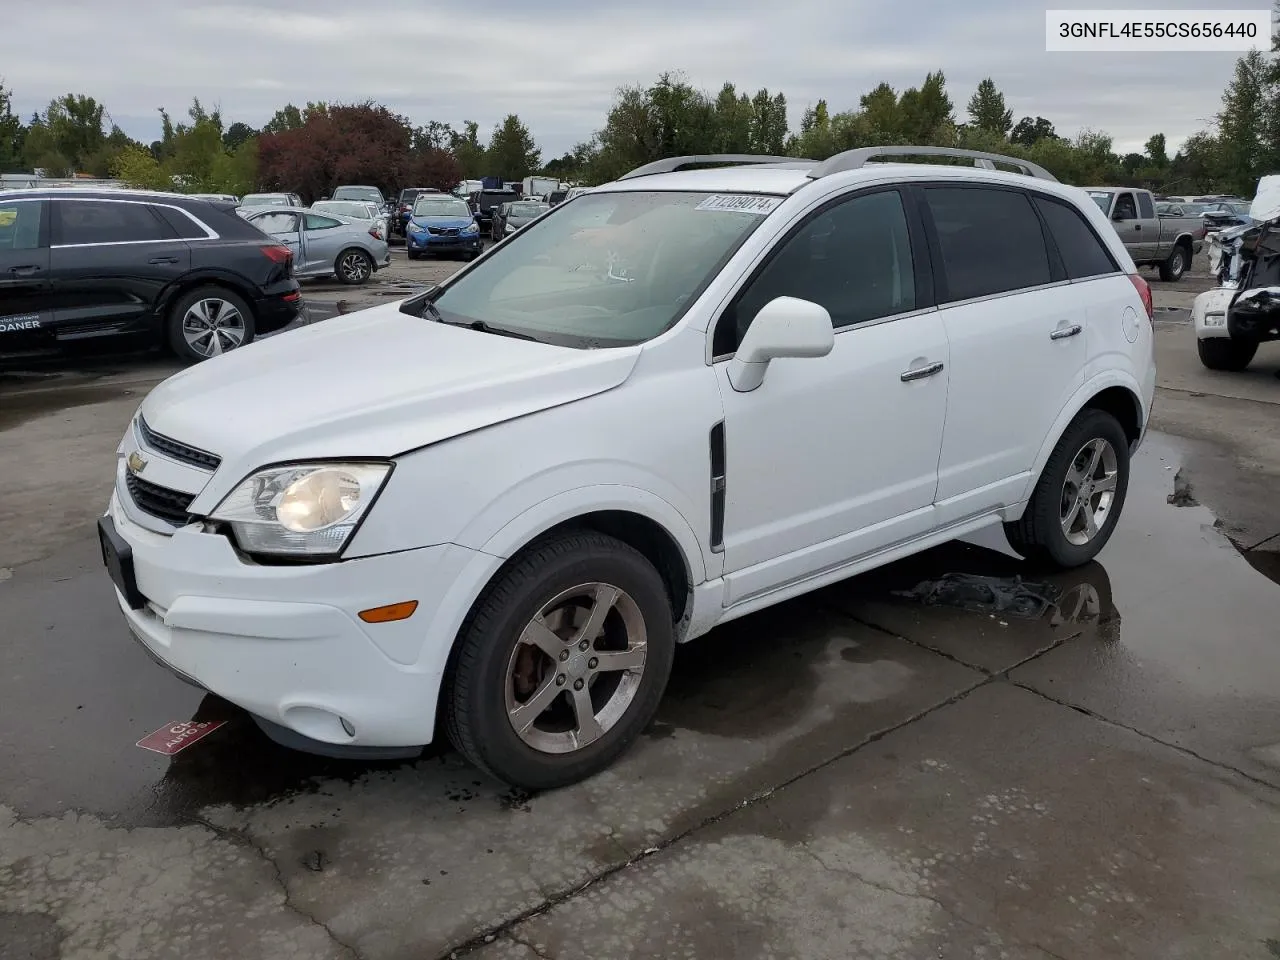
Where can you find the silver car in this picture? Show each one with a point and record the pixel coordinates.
(323, 245)
(356, 210)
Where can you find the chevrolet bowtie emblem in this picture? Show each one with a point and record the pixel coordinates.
(136, 462)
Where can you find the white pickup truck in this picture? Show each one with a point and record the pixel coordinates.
(1152, 240)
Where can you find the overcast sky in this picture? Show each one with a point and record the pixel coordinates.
(557, 63)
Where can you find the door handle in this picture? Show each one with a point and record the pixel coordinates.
(919, 373)
(1137, 226)
(1063, 332)
(26, 270)
(163, 260)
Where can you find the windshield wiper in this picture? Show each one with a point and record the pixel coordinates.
(432, 312)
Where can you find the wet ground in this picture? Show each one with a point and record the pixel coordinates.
(954, 756)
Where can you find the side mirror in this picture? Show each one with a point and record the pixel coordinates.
(784, 327)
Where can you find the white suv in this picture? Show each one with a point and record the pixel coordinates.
(670, 402)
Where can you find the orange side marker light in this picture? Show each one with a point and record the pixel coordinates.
(390, 613)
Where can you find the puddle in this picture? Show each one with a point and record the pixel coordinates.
(19, 407)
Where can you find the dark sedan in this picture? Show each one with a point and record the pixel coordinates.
(510, 217)
(85, 266)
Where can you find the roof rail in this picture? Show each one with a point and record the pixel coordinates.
(854, 159)
(672, 164)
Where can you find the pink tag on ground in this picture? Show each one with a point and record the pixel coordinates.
(177, 736)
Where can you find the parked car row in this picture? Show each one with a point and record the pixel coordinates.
(351, 249)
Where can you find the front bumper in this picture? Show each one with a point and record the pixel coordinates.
(286, 643)
(430, 242)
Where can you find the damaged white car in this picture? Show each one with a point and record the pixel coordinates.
(1244, 310)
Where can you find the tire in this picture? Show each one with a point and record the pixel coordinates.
(1040, 535)
(353, 266)
(1222, 353)
(1172, 269)
(207, 322)
(413, 254)
(490, 663)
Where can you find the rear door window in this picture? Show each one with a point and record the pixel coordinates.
(105, 221)
(277, 223)
(1083, 254)
(991, 241)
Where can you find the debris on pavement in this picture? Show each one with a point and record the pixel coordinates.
(978, 594)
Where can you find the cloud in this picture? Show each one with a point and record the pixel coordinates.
(557, 63)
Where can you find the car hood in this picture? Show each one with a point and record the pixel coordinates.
(370, 384)
(444, 221)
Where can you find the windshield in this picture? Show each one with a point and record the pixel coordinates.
(527, 211)
(1194, 209)
(1102, 198)
(609, 270)
(431, 205)
(345, 208)
(265, 200)
(358, 193)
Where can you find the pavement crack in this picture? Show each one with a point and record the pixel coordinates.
(1057, 642)
(532, 948)
(481, 939)
(242, 838)
(1187, 751)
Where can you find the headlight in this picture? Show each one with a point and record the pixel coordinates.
(416, 227)
(471, 228)
(306, 509)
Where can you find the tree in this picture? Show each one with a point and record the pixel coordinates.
(1027, 132)
(734, 121)
(336, 144)
(769, 123)
(927, 114)
(237, 134)
(1156, 150)
(67, 136)
(468, 150)
(1242, 121)
(512, 153)
(287, 117)
(12, 133)
(138, 167)
(987, 109)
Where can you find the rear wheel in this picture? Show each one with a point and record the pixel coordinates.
(1078, 498)
(562, 663)
(1223, 353)
(207, 322)
(353, 267)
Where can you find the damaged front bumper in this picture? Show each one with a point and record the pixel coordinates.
(1246, 262)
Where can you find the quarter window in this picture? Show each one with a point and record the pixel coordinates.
(1145, 207)
(20, 225)
(102, 221)
(1083, 254)
(316, 222)
(853, 258)
(991, 241)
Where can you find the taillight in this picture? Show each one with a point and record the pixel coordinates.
(1144, 291)
(375, 232)
(277, 252)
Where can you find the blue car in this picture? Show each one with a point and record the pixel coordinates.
(442, 224)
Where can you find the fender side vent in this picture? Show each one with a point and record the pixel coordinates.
(717, 487)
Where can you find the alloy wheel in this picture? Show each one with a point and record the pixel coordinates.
(576, 668)
(355, 267)
(213, 326)
(1089, 491)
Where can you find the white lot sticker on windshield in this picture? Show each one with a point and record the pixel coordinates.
(739, 203)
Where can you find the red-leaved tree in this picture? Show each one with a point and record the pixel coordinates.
(350, 143)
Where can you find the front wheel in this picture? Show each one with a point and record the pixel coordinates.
(1223, 353)
(354, 267)
(1078, 498)
(562, 663)
(1172, 269)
